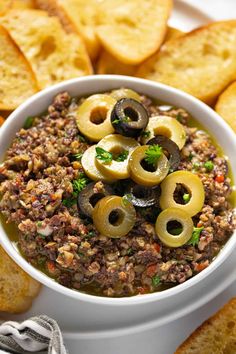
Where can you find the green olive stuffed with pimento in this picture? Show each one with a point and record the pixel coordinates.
(133, 162)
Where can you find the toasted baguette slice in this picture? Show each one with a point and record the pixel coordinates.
(5, 6)
(217, 335)
(54, 55)
(226, 105)
(172, 33)
(16, 76)
(22, 4)
(108, 64)
(17, 289)
(132, 30)
(76, 16)
(202, 62)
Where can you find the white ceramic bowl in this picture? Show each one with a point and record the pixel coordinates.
(138, 307)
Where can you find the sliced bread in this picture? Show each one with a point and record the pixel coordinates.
(217, 335)
(226, 105)
(76, 16)
(17, 289)
(23, 4)
(202, 62)
(16, 76)
(54, 55)
(5, 6)
(132, 30)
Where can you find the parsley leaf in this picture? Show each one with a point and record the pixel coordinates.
(103, 155)
(126, 199)
(156, 280)
(146, 133)
(79, 184)
(195, 236)
(81, 138)
(186, 198)
(153, 153)
(123, 156)
(209, 166)
(28, 123)
(78, 156)
(68, 202)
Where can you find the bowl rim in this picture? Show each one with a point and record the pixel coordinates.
(132, 300)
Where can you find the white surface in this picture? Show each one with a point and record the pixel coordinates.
(162, 340)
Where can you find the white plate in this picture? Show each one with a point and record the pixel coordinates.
(142, 337)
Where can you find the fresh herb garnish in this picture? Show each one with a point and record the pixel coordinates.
(186, 198)
(156, 280)
(69, 202)
(124, 119)
(153, 153)
(39, 223)
(81, 138)
(79, 184)
(190, 156)
(103, 155)
(90, 234)
(123, 156)
(78, 156)
(28, 123)
(195, 236)
(196, 165)
(209, 166)
(130, 251)
(179, 118)
(126, 199)
(146, 133)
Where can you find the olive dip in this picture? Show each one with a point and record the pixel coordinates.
(115, 194)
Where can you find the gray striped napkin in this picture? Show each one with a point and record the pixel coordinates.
(33, 335)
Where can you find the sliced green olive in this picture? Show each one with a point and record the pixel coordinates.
(167, 126)
(191, 183)
(89, 165)
(113, 217)
(170, 146)
(125, 93)
(90, 195)
(116, 144)
(161, 227)
(142, 176)
(129, 117)
(93, 116)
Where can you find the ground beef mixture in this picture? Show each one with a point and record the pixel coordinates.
(37, 195)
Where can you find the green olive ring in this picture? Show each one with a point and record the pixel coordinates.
(116, 143)
(174, 214)
(93, 116)
(125, 93)
(143, 177)
(194, 186)
(113, 217)
(167, 126)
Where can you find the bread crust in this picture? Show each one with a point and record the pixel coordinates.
(226, 105)
(187, 345)
(21, 58)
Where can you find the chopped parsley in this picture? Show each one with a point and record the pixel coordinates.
(103, 155)
(69, 202)
(186, 198)
(196, 165)
(156, 280)
(124, 119)
(126, 199)
(90, 234)
(78, 156)
(79, 184)
(28, 123)
(209, 166)
(153, 153)
(195, 236)
(130, 251)
(146, 133)
(180, 118)
(123, 156)
(81, 138)
(190, 156)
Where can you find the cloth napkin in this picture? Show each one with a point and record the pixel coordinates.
(33, 335)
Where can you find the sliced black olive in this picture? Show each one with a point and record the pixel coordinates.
(129, 117)
(90, 195)
(171, 147)
(141, 196)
